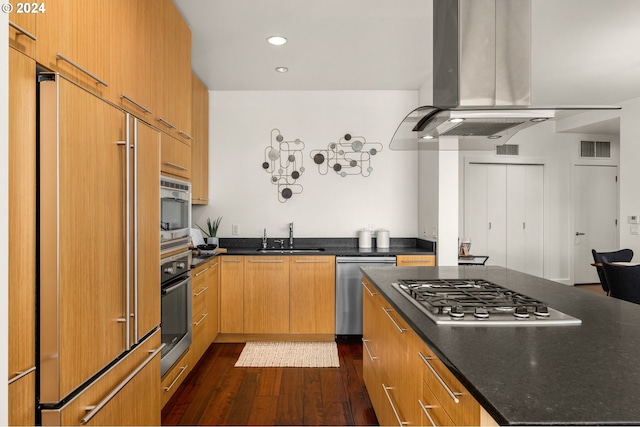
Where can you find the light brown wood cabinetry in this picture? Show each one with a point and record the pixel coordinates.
(266, 295)
(22, 33)
(127, 394)
(200, 143)
(22, 401)
(312, 294)
(204, 307)
(214, 299)
(174, 377)
(22, 222)
(393, 354)
(176, 157)
(415, 260)
(232, 295)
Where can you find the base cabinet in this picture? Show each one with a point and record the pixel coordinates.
(393, 354)
(312, 294)
(416, 260)
(231, 295)
(22, 397)
(174, 377)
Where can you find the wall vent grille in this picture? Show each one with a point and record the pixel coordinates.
(595, 149)
(507, 150)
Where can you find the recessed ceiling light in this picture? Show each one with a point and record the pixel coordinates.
(282, 69)
(494, 136)
(427, 137)
(457, 120)
(276, 40)
(539, 119)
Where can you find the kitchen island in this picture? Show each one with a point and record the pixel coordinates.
(535, 375)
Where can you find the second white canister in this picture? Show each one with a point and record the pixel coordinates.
(382, 239)
(364, 239)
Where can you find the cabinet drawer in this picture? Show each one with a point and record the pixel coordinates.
(22, 401)
(454, 398)
(175, 376)
(432, 412)
(22, 33)
(124, 395)
(416, 260)
(176, 157)
(199, 300)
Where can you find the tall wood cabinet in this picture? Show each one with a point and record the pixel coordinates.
(22, 238)
(200, 143)
(504, 215)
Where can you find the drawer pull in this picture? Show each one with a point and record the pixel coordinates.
(400, 328)
(197, 274)
(22, 374)
(215, 265)
(395, 411)
(368, 290)
(201, 291)
(201, 319)
(452, 394)
(266, 261)
(184, 368)
(311, 261)
(182, 168)
(73, 64)
(231, 260)
(409, 261)
(366, 347)
(185, 135)
(140, 106)
(166, 123)
(22, 31)
(93, 410)
(425, 409)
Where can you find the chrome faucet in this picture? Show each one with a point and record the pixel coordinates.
(264, 239)
(291, 235)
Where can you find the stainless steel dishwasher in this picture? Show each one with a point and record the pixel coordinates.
(349, 292)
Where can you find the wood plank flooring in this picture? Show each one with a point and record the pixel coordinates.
(217, 393)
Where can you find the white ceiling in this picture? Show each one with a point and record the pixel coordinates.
(584, 52)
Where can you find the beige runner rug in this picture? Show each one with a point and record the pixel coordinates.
(289, 354)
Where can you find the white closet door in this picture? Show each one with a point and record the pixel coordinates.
(534, 219)
(475, 208)
(516, 214)
(496, 215)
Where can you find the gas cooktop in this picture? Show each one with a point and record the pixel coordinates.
(477, 302)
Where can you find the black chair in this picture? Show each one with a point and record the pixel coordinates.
(624, 281)
(623, 255)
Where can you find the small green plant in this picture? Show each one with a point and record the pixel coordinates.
(212, 227)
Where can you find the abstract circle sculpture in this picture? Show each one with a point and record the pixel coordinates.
(351, 155)
(284, 161)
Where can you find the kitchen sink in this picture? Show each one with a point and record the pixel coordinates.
(289, 251)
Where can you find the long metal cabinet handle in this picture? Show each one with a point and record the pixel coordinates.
(137, 104)
(452, 394)
(231, 260)
(366, 347)
(127, 304)
(166, 123)
(176, 166)
(197, 274)
(200, 293)
(311, 261)
(22, 374)
(425, 409)
(93, 76)
(136, 236)
(215, 265)
(22, 31)
(409, 261)
(184, 368)
(95, 409)
(400, 328)
(395, 411)
(201, 319)
(266, 261)
(368, 290)
(186, 135)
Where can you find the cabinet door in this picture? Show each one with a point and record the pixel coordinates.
(231, 295)
(213, 301)
(22, 401)
(22, 213)
(266, 295)
(416, 260)
(175, 376)
(176, 157)
(22, 33)
(312, 294)
(200, 143)
(147, 304)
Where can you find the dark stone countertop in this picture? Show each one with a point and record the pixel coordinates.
(585, 374)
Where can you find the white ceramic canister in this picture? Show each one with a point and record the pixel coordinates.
(382, 239)
(364, 239)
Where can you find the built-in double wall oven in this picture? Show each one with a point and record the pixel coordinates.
(175, 214)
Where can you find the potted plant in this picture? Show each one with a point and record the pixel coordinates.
(212, 230)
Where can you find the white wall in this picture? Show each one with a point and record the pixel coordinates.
(329, 205)
(629, 172)
(4, 215)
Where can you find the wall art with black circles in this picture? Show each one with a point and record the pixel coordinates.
(283, 160)
(351, 155)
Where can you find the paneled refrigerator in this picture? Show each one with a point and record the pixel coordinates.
(99, 245)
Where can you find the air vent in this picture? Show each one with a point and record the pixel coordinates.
(507, 150)
(595, 149)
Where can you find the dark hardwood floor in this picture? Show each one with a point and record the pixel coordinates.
(217, 393)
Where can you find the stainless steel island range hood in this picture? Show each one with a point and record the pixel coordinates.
(481, 77)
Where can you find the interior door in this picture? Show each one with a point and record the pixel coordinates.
(595, 209)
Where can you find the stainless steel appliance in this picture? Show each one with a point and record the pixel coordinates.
(97, 288)
(477, 302)
(175, 214)
(176, 308)
(349, 292)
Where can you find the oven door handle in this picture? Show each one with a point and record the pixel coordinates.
(172, 288)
